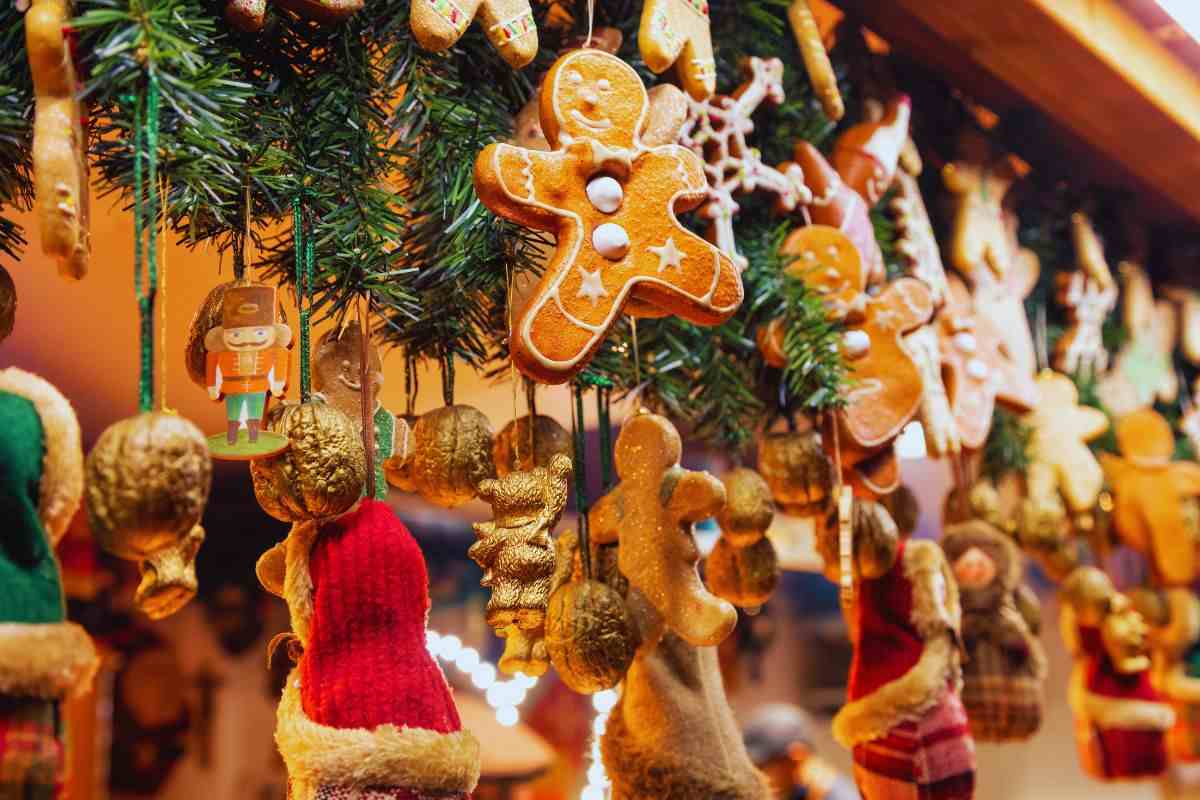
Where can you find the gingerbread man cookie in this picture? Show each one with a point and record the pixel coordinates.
(716, 131)
(438, 24)
(1001, 300)
(1143, 370)
(977, 369)
(60, 169)
(1060, 430)
(1089, 295)
(611, 200)
(651, 511)
(978, 183)
(677, 32)
(1152, 493)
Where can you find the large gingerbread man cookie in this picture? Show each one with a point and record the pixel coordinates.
(1152, 495)
(651, 512)
(978, 183)
(611, 202)
(509, 25)
(677, 32)
(1060, 430)
(60, 167)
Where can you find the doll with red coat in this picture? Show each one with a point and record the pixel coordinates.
(1121, 721)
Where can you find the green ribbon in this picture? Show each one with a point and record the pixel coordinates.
(302, 246)
(145, 211)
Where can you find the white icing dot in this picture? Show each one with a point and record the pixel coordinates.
(574, 77)
(965, 342)
(809, 255)
(605, 194)
(603, 84)
(611, 241)
(977, 369)
(832, 251)
(856, 343)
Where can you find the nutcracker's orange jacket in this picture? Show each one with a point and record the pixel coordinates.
(245, 371)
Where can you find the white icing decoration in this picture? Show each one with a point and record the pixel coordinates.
(965, 342)
(668, 255)
(611, 241)
(977, 369)
(590, 286)
(605, 193)
(856, 343)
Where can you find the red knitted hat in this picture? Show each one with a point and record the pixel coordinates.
(373, 708)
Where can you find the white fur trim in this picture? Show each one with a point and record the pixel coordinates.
(49, 661)
(414, 758)
(62, 465)
(1125, 714)
(297, 582)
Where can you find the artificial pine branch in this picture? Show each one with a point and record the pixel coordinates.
(16, 129)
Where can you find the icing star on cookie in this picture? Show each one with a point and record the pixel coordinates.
(1151, 494)
(677, 32)
(611, 201)
(438, 24)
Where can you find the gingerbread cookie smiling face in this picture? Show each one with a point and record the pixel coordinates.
(611, 202)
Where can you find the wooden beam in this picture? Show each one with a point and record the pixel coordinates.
(1087, 64)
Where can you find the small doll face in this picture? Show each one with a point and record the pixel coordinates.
(1124, 633)
(252, 337)
(592, 95)
(974, 569)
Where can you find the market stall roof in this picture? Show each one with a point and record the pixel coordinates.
(1098, 68)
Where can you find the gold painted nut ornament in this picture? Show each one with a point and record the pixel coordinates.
(797, 470)
(148, 479)
(749, 507)
(590, 636)
(322, 472)
(515, 450)
(207, 317)
(452, 453)
(745, 576)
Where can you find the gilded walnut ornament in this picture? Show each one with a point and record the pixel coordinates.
(517, 449)
(451, 454)
(798, 471)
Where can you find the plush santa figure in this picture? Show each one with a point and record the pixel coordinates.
(43, 658)
(366, 714)
(1121, 720)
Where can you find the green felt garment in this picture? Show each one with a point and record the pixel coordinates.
(30, 587)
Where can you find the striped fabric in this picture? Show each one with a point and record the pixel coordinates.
(1001, 707)
(933, 759)
(31, 753)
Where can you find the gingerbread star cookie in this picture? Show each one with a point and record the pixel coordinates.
(1089, 294)
(716, 131)
(60, 169)
(651, 512)
(438, 24)
(611, 200)
(1152, 493)
(1061, 429)
(1142, 371)
(978, 371)
(677, 32)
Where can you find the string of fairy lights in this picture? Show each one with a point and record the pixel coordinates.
(506, 696)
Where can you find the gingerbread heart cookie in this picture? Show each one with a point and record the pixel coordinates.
(611, 201)
(1152, 494)
(438, 24)
(677, 32)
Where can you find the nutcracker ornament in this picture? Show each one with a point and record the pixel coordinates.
(1120, 719)
(248, 360)
(43, 658)
(1005, 668)
(904, 721)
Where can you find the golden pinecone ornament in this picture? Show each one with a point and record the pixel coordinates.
(207, 317)
(452, 453)
(148, 479)
(797, 470)
(590, 636)
(745, 576)
(549, 439)
(322, 472)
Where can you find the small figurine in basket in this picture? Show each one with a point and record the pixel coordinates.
(248, 358)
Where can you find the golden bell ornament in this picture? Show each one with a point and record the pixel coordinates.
(516, 450)
(745, 576)
(207, 317)
(452, 453)
(323, 471)
(797, 470)
(590, 636)
(148, 479)
(749, 507)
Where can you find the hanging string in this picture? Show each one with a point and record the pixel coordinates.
(368, 403)
(591, 7)
(580, 469)
(145, 202)
(162, 322)
(240, 237)
(302, 246)
(411, 386)
(448, 378)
